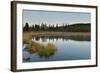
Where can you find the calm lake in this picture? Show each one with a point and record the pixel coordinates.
(66, 48)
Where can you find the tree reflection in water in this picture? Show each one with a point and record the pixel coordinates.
(46, 51)
(43, 51)
(77, 38)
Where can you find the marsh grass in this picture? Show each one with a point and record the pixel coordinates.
(28, 35)
(40, 49)
(45, 50)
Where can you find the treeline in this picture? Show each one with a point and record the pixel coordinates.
(78, 27)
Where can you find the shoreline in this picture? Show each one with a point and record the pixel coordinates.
(28, 35)
(57, 33)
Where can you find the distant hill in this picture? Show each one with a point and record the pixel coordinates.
(79, 27)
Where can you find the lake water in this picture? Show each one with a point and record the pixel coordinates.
(67, 48)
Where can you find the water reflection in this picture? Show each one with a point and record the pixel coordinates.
(52, 48)
(43, 51)
(77, 38)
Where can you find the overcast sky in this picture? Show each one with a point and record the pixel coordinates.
(53, 17)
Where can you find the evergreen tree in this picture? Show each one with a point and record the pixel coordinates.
(26, 27)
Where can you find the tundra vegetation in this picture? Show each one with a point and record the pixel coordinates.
(48, 30)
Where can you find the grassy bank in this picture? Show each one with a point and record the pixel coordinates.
(28, 35)
(40, 49)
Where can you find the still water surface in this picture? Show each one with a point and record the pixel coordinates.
(67, 48)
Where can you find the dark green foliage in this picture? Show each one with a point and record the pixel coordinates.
(37, 27)
(26, 28)
(79, 27)
(44, 27)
